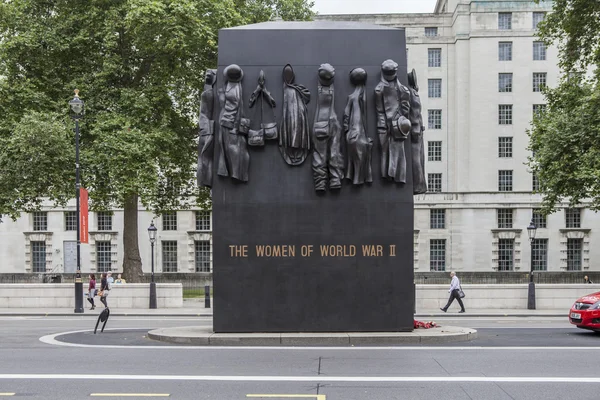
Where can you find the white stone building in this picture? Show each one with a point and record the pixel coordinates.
(46, 242)
(480, 68)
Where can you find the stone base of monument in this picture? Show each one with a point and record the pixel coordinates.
(204, 336)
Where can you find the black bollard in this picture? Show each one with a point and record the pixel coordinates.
(104, 318)
(531, 293)
(207, 296)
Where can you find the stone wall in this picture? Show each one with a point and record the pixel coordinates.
(495, 297)
(61, 295)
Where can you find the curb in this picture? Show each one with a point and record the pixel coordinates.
(201, 336)
(112, 314)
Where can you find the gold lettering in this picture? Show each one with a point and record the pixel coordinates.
(392, 250)
(368, 250)
(324, 251)
(304, 251)
(379, 250)
(291, 250)
(238, 251)
(352, 250)
(260, 250)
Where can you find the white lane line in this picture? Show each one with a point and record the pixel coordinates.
(321, 378)
(51, 340)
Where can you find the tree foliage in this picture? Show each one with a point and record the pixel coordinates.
(565, 139)
(139, 66)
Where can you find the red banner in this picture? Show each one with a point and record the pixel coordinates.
(83, 212)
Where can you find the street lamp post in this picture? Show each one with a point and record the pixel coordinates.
(76, 111)
(531, 230)
(152, 234)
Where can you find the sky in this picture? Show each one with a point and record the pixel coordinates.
(373, 6)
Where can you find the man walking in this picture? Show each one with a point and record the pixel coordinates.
(454, 293)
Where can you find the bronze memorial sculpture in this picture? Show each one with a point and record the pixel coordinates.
(416, 136)
(234, 159)
(392, 102)
(206, 141)
(294, 135)
(268, 130)
(328, 159)
(358, 143)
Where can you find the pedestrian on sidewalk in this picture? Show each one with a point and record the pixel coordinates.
(454, 293)
(103, 290)
(92, 290)
(587, 280)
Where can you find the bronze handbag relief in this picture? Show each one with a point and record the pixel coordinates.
(268, 130)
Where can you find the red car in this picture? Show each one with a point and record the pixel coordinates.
(585, 313)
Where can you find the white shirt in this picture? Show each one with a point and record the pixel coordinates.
(455, 284)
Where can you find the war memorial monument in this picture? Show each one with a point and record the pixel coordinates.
(311, 140)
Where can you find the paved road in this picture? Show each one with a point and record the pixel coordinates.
(514, 358)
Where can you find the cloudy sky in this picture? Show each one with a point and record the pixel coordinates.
(373, 6)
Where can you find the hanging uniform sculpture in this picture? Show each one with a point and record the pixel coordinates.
(294, 134)
(234, 159)
(359, 144)
(268, 130)
(206, 140)
(392, 103)
(328, 159)
(416, 136)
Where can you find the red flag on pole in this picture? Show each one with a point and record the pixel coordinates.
(83, 210)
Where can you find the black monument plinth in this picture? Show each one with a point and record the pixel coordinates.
(339, 260)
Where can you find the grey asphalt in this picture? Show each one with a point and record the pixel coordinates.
(508, 348)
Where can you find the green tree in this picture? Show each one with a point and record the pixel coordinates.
(565, 138)
(139, 65)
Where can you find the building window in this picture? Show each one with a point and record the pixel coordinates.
(38, 257)
(505, 114)
(437, 254)
(434, 119)
(434, 87)
(538, 110)
(169, 221)
(431, 31)
(506, 254)
(202, 255)
(434, 58)
(505, 180)
(505, 82)
(574, 247)
(539, 254)
(437, 218)
(539, 219)
(535, 183)
(539, 51)
(103, 256)
(434, 182)
(504, 20)
(504, 217)
(505, 51)
(537, 18)
(105, 221)
(505, 147)
(40, 221)
(573, 217)
(70, 220)
(169, 256)
(539, 81)
(203, 220)
(434, 151)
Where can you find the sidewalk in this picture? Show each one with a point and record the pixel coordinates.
(195, 308)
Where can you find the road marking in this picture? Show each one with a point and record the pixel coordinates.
(287, 396)
(51, 339)
(7, 394)
(130, 394)
(321, 378)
